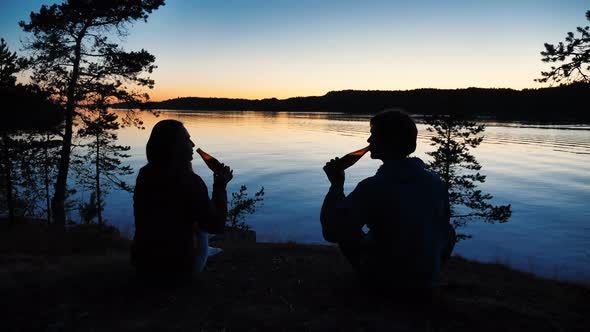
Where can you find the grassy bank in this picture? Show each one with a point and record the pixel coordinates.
(280, 287)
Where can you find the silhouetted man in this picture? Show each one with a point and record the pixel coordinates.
(404, 206)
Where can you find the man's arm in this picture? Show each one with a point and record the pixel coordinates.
(342, 217)
(328, 217)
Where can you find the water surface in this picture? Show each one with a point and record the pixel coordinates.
(542, 170)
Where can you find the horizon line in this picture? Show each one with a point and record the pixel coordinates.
(375, 90)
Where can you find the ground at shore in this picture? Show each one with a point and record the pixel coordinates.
(274, 287)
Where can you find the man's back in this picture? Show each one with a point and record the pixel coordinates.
(410, 224)
(405, 208)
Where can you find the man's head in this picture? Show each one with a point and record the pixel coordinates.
(393, 135)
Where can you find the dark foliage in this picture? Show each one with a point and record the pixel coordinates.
(453, 138)
(9, 65)
(90, 210)
(30, 116)
(241, 206)
(73, 57)
(546, 104)
(573, 57)
(100, 167)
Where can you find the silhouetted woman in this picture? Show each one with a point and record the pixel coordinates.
(171, 202)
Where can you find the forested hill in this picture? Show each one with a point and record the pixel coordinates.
(564, 103)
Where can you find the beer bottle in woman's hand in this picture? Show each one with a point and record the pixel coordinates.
(221, 172)
(210, 161)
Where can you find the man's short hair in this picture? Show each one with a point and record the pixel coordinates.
(398, 130)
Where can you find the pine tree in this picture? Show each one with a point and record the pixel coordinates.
(74, 55)
(574, 56)
(453, 138)
(8, 68)
(38, 167)
(100, 168)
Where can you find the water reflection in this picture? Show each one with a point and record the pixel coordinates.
(542, 170)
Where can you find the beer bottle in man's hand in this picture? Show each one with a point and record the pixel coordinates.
(351, 158)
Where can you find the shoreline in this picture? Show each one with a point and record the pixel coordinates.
(275, 287)
(262, 286)
(36, 238)
(525, 123)
(502, 104)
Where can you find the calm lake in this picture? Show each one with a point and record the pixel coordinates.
(542, 170)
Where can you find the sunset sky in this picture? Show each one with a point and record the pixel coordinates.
(259, 49)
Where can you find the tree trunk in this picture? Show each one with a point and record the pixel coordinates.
(98, 194)
(8, 177)
(46, 171)
(59, 197)
(447, 169)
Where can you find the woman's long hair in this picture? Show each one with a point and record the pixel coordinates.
(162, 147)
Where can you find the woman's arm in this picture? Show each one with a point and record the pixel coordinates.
(217, 210)
(215, 214)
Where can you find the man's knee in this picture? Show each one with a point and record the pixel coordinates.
(451, 241)
(351, 251)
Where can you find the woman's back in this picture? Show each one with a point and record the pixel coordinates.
(170, 201)
(166, 207)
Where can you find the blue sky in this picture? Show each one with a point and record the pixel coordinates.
(257, 49)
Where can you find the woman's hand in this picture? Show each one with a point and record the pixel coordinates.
(224, 176)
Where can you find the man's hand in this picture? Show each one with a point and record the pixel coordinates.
(335, 172)
(224, 176)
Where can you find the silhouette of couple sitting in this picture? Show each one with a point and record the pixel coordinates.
(404, 207)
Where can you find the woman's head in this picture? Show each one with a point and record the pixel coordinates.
(169, 145)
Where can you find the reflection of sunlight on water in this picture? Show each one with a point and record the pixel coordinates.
(543, 171)
(570, 141)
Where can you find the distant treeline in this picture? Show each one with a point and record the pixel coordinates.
(563, 103)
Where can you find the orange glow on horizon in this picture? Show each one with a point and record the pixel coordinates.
(165, 94)
(255, 75)
(162, 94)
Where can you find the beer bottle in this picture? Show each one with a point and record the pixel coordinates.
(351, 158)
(210, 161)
